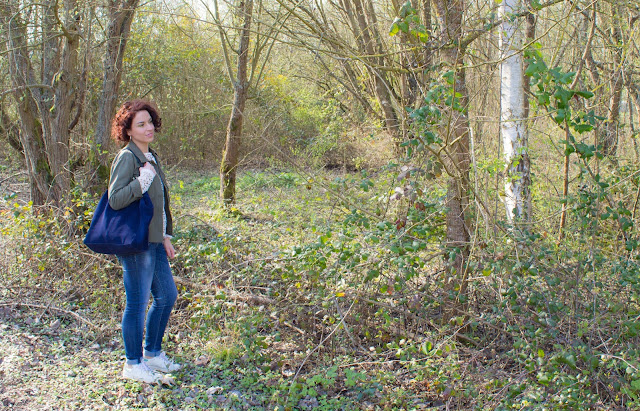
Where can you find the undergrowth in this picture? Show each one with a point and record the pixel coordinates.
(327, 290)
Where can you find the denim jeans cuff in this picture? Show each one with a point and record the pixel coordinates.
(152, 354)
(134, 362)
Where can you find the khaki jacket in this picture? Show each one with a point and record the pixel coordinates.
(124, 189)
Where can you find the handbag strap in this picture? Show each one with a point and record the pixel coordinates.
(140, 163)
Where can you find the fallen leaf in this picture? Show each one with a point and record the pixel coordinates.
(202, 361)
(167, 379)
(54, 326)
(214, 390)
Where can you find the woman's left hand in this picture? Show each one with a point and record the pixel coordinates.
(168, 247)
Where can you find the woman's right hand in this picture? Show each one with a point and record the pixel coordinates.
(148, 166)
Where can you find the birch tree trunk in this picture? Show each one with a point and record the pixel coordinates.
(513, 126)
(231, 152)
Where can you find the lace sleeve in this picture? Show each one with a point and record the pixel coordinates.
(145, 179)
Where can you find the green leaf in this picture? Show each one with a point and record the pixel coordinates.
(560, 116)
(371, 275)
(394, 27)
(536, 64)
(562, 97)
(582, 128)
(584, 150)
(585, 94)
(569, 149)
(543, 378)
(544, 99)
(407, 10)
(449, 76)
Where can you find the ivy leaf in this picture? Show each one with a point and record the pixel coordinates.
(406, 9)
(562, 97)
(560, 116)
(394, 27)
(536, 65)
(584, 150)
(544, 99)
(583, 93)
(582, 128)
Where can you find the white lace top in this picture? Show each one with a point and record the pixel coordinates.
(145, 179)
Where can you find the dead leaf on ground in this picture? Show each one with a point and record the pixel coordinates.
(202, 361)
(168, 379)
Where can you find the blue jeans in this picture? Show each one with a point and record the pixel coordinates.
(146, 273)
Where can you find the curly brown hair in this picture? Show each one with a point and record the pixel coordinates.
(123, 118)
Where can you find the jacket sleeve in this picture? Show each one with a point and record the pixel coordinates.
(124, 188)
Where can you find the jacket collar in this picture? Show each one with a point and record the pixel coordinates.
(138, 153)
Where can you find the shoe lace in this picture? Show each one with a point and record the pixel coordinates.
(146, 368)
(165, 360)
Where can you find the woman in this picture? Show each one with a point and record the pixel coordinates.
(134, 171)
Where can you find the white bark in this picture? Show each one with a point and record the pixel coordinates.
(513, 125)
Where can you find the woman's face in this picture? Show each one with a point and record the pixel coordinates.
(142, 129)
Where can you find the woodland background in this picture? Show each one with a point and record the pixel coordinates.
(428, 205)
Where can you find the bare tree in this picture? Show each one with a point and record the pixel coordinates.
(229, 164)
(252, 53)
(121, 14)
(616, 83)
(45, 96)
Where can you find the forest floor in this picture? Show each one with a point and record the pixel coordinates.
(49, 364)
(60, 344)
(280, 307)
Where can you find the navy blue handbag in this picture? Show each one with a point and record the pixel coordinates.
(124, 231)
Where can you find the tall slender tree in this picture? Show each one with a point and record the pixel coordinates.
(121, 13)
(228, 167)
(257, 30)
(450, 16)
(616, 84)
(513, 125)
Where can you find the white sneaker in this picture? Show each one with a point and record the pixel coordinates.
(141, 372)
(162, 363)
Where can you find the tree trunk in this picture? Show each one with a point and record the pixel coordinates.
(364, 21)
(512, 117)
(65, 82)
(610, 131)
(449, 14)
(23, 78)
(45, 105)
(121, 14)
(234, 130)
(10, 129)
